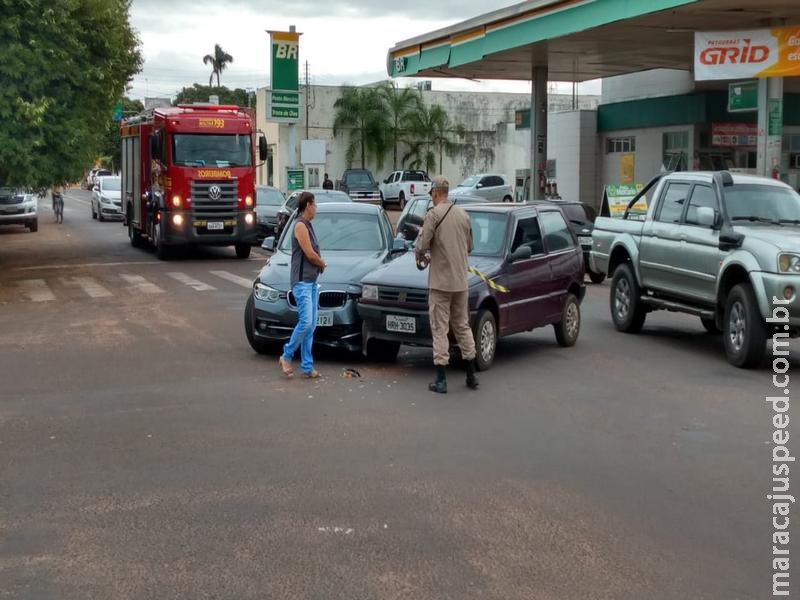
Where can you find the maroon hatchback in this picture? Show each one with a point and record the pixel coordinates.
(527, 249)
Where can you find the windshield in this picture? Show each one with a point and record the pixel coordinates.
(469, 182)
(111, 184)
(360, 178)
(343, 231)
(268, 197)
(201, 150)
(576, 213)
(755, 202)
(488, 233)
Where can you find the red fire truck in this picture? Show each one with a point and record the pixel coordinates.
(188, 177)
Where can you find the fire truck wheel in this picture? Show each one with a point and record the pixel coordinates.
(162, 250)
(243, 251)
(134, 236)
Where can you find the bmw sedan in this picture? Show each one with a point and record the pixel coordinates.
(354, 239)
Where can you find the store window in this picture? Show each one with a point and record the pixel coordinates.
(676, 149)
(620, 144)
(792, 144)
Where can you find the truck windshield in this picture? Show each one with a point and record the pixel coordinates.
(762, 203)
(203, 150)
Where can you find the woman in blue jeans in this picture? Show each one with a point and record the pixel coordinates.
(307, 266)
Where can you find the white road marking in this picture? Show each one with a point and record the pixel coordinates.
(88, 265)
(197, 285)
(141, 284)
(36, 290)
(247, 283)
(91, 287)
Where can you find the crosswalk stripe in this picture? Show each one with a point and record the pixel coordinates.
(36, 290)
(141, 284)
(197, 285)
(91, 287)
(247, 283)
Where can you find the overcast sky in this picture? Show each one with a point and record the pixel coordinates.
(344, 41)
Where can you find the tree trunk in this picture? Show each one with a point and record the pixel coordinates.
(363, 152)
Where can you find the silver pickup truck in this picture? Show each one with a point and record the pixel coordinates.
(724, 247)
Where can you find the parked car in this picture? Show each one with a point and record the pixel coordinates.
(18, 207)
(269, 201)
(723, 247)
(88, 183)
(410, 221)
(360, 185)
(581, 217)
(321, 196)
(107, 198)
(100, 173)
(528, 249)
(354, 239)
(493, 187)
(401, 186)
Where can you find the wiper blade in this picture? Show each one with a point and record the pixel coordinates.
(753, 219)
(791, 221)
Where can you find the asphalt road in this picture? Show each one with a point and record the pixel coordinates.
(146, 452)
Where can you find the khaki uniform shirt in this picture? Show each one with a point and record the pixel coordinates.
(449, 246)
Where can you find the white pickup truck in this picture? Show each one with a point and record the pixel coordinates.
(401, 186)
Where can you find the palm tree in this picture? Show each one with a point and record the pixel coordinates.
(401, 104)
(219, 62)
(361, 112)
(433, 133)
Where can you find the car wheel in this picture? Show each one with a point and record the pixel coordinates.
(508, 199)
(100, 216)
(94, 213)
(162, 250)
(627, 310)
(259, 346)
(745, 332)
(33, 226)
(485, 339)
(569, 327)
(710, 325)
(401, 200)
(243, 251)
(382, 350)
(596, 277)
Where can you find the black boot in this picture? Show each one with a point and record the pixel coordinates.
(472, 378)
(440, 385)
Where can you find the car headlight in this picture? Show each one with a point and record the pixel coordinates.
(369, 292)
(266, 293)
(105, 200)
(789, 263)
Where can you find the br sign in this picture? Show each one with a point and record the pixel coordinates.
(284, 98)
(746, 54)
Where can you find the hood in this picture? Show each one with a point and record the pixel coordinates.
(112, 194)
(344, 268)
(402, 272)
(784, 237)
(467, 191)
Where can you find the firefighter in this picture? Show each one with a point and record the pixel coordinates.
(445, 243)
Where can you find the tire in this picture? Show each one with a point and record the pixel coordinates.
(485, 333)
(508, 199)
(162, 251)
(568, 329)
(383, 201)
(627, 310)
(94, 213)
(401, 200)
(33, 226)
(243, 251)
(383, 351)
(134, 236)
(259, 346)
(100, 216)
(744, 330)
(711, 326)
(597, 277)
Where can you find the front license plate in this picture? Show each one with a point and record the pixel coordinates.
(325, 319)
(401, 324)
(585, 240)
(215, 225)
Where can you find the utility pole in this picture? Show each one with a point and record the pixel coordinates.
(308, 92)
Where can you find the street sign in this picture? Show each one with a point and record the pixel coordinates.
(775, 123)
(743, 96)
(295, 179)
(117, 114)
(284, 99)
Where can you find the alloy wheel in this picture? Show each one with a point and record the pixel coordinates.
(622, 299)
(487, 341)
(737, 324)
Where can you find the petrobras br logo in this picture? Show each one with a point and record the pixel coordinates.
(739, 51)
(286, 50)
(734, 54)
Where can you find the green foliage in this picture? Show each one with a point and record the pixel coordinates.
(432, 135)
(200, 93)
(111, 149)
(219, 62)
(362, 113)
(401, 104)
(63, 66)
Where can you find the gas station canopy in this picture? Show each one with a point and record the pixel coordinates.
(579, 40)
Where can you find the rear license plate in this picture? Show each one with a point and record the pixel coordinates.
(585, 240)
(401, 324)
(325, 319)
(215, 225)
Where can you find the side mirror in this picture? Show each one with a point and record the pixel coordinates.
(262, 148)
(268, 244)
(706, 216)
(521, 253)
(399, 245)
(478, 186)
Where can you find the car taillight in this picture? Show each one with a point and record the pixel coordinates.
(412, 189)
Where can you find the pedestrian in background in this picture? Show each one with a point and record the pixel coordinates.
(447, 236)
(307, 265)
(327, 184)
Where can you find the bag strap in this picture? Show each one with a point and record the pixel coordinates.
(444, 217)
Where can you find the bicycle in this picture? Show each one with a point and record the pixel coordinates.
(58, 207)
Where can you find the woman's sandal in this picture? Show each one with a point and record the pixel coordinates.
(312, 375)
(286, 367)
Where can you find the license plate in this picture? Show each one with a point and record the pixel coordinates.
(215, 225)
(401, 324)
(585, 240)
(325, 319)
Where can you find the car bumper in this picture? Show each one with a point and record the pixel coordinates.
(374, 318)
(15, 215)
(769, 287)
(110, 211)
(195, 231)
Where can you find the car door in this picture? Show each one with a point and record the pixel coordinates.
(661, 240)
(483, 188)
(699, 255)
(564, 258)
(393, 187)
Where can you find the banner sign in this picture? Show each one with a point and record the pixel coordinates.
(744, 54)
(743, 96)
(733, 135)
(284, 98)
(617, 197)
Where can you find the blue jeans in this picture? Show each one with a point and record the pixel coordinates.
(306, 295)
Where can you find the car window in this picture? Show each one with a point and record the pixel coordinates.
(293, 201)
(111, 184)
(469, 182)
(673, 202)
(746, 202)
(527, 233)
(497, 181)
(488, 233)
(702, 195)
(574, 212)
(556, 232)
(420, 208)
(268, 197)
(486, 181)
(414, 176)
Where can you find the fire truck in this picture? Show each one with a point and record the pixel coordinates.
(188, 177)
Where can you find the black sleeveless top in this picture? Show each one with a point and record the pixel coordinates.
(302, 270)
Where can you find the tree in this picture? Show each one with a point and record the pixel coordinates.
(432, 132)
(63, 65)
(401, 104)
(219, 62)
(361, 112)
(111, 149)
(200, 93)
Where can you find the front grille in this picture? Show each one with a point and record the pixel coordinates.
(11, 199)
(226, 207)
(14, 211)
(403, 296)
(327, 300)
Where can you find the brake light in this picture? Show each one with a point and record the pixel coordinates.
(412, 189)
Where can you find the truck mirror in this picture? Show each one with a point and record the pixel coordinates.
(706, 216)
(262, 148)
